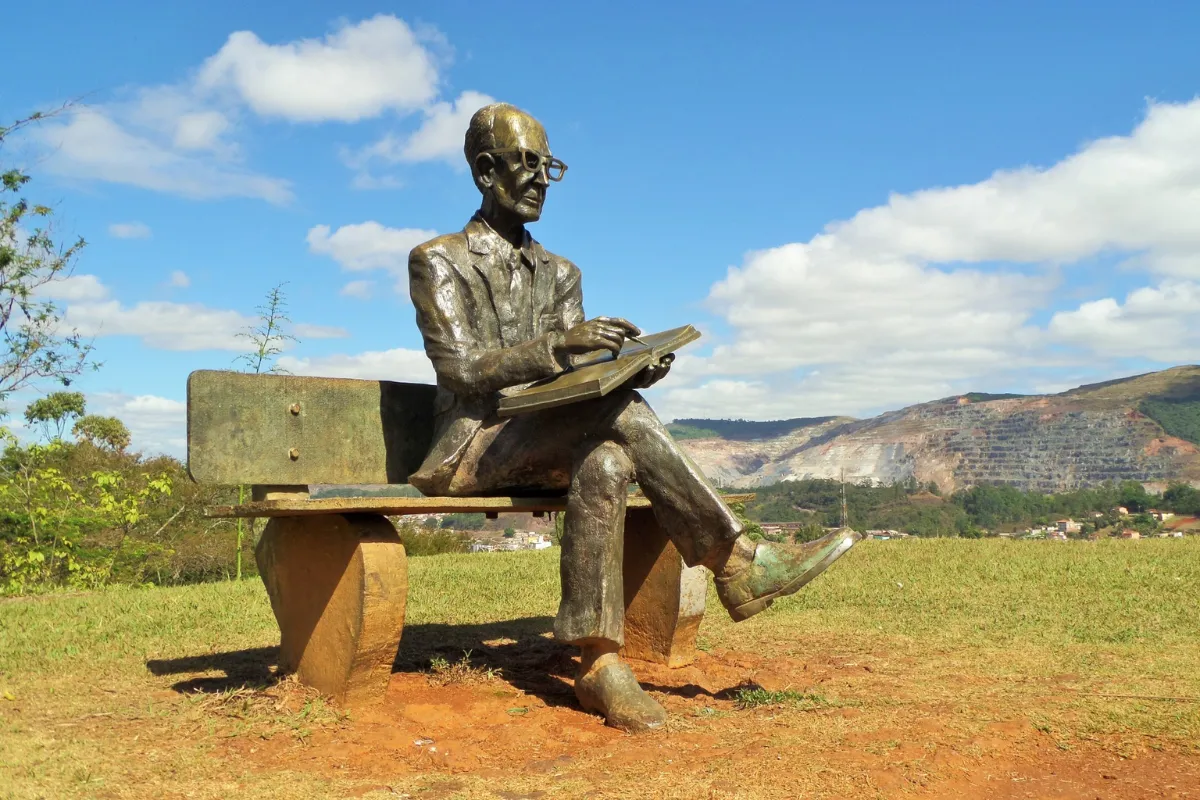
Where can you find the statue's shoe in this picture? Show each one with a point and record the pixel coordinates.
(779, 570)
(613, 691)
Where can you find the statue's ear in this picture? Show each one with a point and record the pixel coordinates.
(485, 171)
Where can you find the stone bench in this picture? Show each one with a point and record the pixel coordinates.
(334, 568)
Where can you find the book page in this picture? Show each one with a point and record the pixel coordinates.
(596, 378)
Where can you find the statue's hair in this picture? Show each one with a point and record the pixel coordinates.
(481, 132)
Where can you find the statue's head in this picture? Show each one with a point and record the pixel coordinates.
(510, 160)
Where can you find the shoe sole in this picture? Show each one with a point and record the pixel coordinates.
(747, 610)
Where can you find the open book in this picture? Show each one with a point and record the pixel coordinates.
(595, 375)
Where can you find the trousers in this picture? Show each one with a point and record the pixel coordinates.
(592, 450)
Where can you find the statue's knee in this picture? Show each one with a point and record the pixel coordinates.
(607, 463)
(637, 417)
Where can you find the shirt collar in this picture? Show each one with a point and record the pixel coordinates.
(482, 239)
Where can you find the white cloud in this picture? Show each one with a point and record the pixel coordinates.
(91, 145)
(91, 310)
(716, 398)
(397, 365)
(74, 289)
(357, 72)
(179, 280)
(796, 306)
(363, 290)
(879, 309)
(1136, 194)
(306, 330)
(182, 138)
(156, 424)
(440, 136)
(1157, 323)
(200, 130)
(162, 325)
(369, 245)
(368, 182)
(176, 117)
(129, 230)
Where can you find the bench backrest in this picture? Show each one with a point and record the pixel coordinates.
(290, 430)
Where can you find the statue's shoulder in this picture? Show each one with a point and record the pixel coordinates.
(563, 267)
(452, 246)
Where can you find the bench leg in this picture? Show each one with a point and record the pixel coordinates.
(664, 598)
(338, 585)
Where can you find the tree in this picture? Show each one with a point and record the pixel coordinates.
(43, 502)
(34, 347)
(809, 531)
(1182, 499)
(103, 432)
(122, 504)
(510, 532)
(268, 338)
(1134, 497)
(750, 528)
(464, 521)
(54, 411)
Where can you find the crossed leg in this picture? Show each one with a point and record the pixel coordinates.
(593, 450)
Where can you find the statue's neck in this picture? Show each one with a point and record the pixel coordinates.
(503, 221)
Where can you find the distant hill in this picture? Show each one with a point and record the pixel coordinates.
(743, 429)
(1144, 428)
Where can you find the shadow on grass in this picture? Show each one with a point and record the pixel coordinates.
(521, 650)
(253, 669)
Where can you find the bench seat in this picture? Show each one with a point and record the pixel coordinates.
(301, 506)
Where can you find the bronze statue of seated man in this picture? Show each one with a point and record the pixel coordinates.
(498, 311)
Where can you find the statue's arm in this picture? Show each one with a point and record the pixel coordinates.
(568, 301)
(464, 364)
(569, 295)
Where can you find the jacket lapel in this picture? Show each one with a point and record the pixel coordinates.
(494, 275)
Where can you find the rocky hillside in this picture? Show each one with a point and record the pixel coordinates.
(1143, 428)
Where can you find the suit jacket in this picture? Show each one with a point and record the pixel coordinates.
(459, 284)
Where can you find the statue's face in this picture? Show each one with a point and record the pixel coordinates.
(516, 188)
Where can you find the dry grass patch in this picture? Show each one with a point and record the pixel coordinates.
(460, 673)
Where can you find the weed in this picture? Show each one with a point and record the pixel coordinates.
(461, 672)
(748, 697)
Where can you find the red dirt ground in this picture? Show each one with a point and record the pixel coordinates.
(954, 739)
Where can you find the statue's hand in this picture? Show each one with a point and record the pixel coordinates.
(653, 373)
(601, 333)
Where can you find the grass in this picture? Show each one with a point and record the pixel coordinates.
(1108, 626)
(443, 672)
(748, 697)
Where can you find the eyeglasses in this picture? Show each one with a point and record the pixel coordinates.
(534, 161)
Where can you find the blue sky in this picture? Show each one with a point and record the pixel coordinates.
(863, 205)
